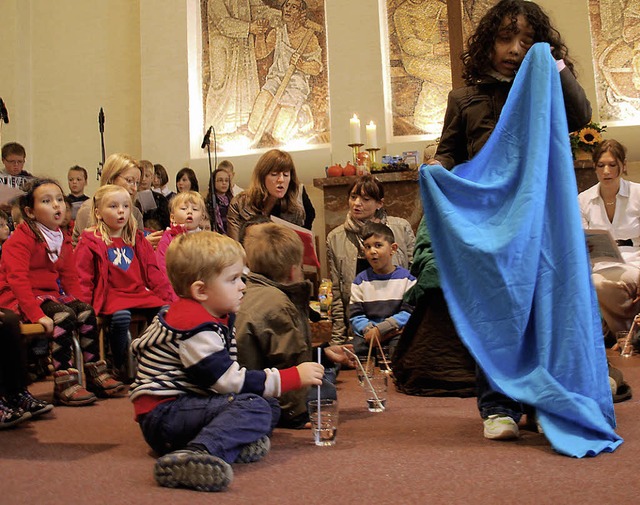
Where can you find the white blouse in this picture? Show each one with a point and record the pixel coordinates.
(626, 219)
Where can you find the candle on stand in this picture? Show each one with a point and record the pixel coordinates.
(354, 130)
(372, 138)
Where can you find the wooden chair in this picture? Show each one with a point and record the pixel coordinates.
(33, 330)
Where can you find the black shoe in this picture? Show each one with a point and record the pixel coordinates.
(197, 470)
(10, 416)
(27, 402)
(254, 451)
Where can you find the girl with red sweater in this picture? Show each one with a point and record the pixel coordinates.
(38, 279)
(117, 268)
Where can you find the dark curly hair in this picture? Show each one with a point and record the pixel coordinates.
(476, 60)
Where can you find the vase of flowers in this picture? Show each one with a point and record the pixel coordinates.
(585, 140)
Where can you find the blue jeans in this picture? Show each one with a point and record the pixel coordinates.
(492, 402)
(222, 424)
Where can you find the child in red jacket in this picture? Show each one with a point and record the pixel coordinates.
(38, 279)
(117, 268)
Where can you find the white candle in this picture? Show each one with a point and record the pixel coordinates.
(354, 130)
(372, 138)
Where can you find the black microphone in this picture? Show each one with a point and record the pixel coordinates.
(101, 120)
(206, 141)
(4, 115)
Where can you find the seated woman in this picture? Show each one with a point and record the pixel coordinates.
(274, 191)
(345, 249)
(613, 204)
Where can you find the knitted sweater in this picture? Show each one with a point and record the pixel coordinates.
(200, 360)
(377, 300)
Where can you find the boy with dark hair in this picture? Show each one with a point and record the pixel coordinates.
(77, 180)
(191, 397)
(376, 308)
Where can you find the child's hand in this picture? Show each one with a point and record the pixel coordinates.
(154, 238)
(47, 322)
(310, 373)
(337, 354)
(373, 333)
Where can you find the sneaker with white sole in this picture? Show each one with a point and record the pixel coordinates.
(500, 427)
(192, 469)
(26, 401)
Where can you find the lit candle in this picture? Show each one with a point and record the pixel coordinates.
(372, 138)
(354, 130)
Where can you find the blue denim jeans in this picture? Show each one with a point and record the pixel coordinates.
(491, 401)
(223, 424)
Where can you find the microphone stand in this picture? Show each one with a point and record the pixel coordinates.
(4, 117)
(212, 185)
(101, 125)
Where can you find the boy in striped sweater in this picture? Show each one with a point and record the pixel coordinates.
(376, 306)
(196, 406)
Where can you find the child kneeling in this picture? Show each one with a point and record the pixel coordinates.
(191, 398)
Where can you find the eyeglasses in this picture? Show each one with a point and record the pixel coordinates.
(14, 162)
(130, 181)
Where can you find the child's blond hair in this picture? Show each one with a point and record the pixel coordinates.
(192, 197)
(199, 256)
(101, 229)
(272, 249)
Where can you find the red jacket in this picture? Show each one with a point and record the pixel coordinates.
(27, 272)
(93, 269)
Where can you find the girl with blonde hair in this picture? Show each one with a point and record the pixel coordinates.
(117, 268)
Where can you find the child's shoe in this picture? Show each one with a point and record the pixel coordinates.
(100, 381)
(27, 402)
(10, 416)
(254, 451)
(193, 469)
(500, 427)
(68, 391)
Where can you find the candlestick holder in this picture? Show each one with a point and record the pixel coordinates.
(356, 150)
(372, 153)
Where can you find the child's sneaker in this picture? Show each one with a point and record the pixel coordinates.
(10, 416)
(254, 451)
(27, 402)
(500, 427)
(100, 381)
(68, 391)
(197, 470)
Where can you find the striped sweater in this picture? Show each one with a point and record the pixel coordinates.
(377, 300)
(200, 360)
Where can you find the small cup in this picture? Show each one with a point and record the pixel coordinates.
(377, 382)
(626, 351)
(328, 416)
(365, 366)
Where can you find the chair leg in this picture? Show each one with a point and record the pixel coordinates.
(132, 364)
(77, 357)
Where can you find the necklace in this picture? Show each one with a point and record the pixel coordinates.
(609, 204)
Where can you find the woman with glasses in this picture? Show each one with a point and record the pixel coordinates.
(121, 170)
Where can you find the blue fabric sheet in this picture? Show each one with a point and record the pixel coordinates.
(509, 245)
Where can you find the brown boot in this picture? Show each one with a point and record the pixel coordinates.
(100, 381)
(67, 390)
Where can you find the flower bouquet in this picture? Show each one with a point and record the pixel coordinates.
(585, 140)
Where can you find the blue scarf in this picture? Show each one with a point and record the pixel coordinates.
(510, 248)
